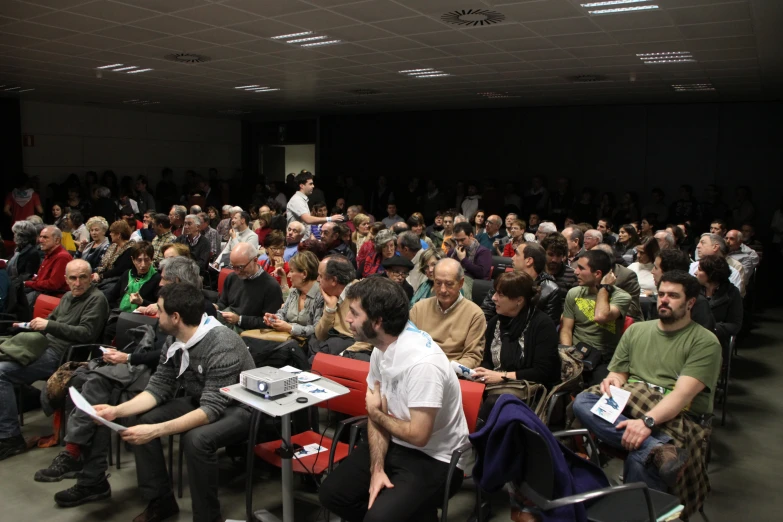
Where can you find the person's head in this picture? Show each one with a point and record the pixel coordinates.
(294, 233)
(714, 270)
(192, 225)
(647, 251)
(657, 195)
(448, 223)
(352, 211)
(748, 231)
(304, 180)
(556, 247)
(213, 213)
(243, 260)
(240, 220)
(318, 209)
(50, 238)
(514, 291)
(686, 192)
(592, 238)
(604, 226)
(334, 274)
(225, 211)
(329, 234)
(479, 218)
(57, 211)
(274, 243)
(397, 268)
(510, 217)
(530, 258)
(448, 278)
(77, 275)
(126, 213)
(574, 238)
(179, 269)
(141, 254)
(378, 307)
(177, 215)
(438, 220)
(385, 243)
(628, 235)
(180, 308)
(718, 226)
(710, 244)
(119, 231)
(391, 209)
(517, 229)
(170, 250)
(665, 240)
(648, 225)
(677, 293)
(408, 245)
(361, 223)
(161, 224)
(668, 260)
(148, 217)
(734, 240)
(204, 218)
(591, 267)
(428, 260)
(303, 268)
(25, 234)
(544, 229)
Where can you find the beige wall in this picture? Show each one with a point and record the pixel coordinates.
(73, 138)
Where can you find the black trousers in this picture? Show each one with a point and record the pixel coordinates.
(200, 447)
(419, 482)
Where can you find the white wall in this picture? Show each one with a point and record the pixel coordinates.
(73, 138)
(299, 157)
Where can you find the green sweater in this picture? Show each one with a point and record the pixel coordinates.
(77, 320)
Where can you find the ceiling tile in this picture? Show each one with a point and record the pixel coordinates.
(711, 13)
(298, 55)
(215, 14)
(29, 29)
(145, 51)
(180, 43)
(414, 25)
(264, 60)
(56, 4)
(162, 6)
(318, 20)
(505, 31)
(269, 8)
(21, 10)
(63, 48)
(94, 41)
(660, 34)
(332, 63)
(582, 40)
(722, 29)
(603, 61)
(492, 58)
(221, 36)
(391, 44)
(267, 29)
(638, 20)
(599, 50)
(223, 53)
(130, 34)
(731, 42)
(448, 61)
(732, 64)
(358, 33)
(726, 54)
(262, 46)
(171, 25)
(540, 10)
(544, 54)
(73, 22)
(513, 67)
(6, 21)
(375, 58)
(345, 49)
(523, 44)
(563, 26)
(374, 11)
(559, 64)
(119, 13)
(425, 53)
(442, 38)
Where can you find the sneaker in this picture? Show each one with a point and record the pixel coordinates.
(81, 494)
(63, 466)
(669, 461)
(159, 509)
(12, 446)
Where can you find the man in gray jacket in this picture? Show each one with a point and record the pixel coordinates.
(78, 319)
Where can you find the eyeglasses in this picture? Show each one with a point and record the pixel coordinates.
(239, 268)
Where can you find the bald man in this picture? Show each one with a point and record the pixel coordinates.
(740, 252)
(50, 278)
(78, 319)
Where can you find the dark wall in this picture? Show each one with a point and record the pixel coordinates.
(615, 148)
(10, 149)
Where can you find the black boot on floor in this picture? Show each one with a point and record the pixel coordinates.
(63, 466)
(12, 446)
(81, 494)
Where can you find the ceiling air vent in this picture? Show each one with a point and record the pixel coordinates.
(588, 78)
(473, 17)
(187, 58)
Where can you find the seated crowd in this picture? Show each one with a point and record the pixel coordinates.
(446, 290)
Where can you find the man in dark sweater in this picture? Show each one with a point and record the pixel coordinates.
(200, 357)
(79, 318)
(249, 292)
(200, 248)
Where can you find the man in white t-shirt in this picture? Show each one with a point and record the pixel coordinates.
(415, 415)
(298, 208)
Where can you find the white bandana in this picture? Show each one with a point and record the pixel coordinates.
(207, 324)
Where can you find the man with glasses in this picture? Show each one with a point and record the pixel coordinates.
(456, 324)
(248, 292)
(35, 354)
(200, 248)
(492, 237)
(474, 257)
(397, 269)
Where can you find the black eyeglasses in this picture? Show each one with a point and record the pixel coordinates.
(239, 268)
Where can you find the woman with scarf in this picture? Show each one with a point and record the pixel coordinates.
(116, 261)
(521, 340)
(26, 259)
(22, 202)
(94, 251)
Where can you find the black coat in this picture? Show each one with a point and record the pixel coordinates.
(200, 252)
(540, 362)
(726, 306)
(28, 263)
(550, 301)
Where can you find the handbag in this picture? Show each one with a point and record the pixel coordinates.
(590, 356)
(531, 393)
(267, 334)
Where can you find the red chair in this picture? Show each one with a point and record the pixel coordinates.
(353, 375)
(628, 322)
(9, 247)
(224, 272)
(44, 305)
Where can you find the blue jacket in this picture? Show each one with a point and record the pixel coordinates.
(501, 458)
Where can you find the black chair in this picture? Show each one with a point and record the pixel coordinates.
(480, 290)
(614, 503)
(723, 379)
(125, 322)
(500, 264)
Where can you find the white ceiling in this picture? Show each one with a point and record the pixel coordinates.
(55, 46)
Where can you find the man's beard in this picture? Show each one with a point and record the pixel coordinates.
(673, 317)
(365, 333)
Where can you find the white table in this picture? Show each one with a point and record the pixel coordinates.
(281, 407)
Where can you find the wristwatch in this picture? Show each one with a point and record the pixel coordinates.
(504, 376)
(648, 421)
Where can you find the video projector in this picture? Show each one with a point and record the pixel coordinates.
(268, 381)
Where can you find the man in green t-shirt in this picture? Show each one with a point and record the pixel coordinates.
(594, 312)
(675, 357)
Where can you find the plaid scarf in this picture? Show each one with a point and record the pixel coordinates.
(694, 484)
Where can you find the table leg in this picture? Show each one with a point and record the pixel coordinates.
(255, 421)
(287, 472)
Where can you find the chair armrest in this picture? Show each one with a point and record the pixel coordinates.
(590, 442)
(340, 426)
(590, 495)
(456, 455)
(80, 349)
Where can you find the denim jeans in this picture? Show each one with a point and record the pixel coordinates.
(636, 468)
(14, 373)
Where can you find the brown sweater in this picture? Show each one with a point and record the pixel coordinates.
(459, 333)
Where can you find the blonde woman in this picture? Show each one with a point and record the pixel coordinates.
(93, 251)
(361, 223)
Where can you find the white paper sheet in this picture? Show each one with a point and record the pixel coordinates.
(310, 449)
(317, 391)
(290, 369)
(609, 408)
(80, 402)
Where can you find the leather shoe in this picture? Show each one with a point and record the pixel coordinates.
(159, 509)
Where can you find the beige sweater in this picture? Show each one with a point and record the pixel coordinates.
(459, 332)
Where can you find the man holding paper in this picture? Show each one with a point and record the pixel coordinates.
(670, 368)
(200, 357)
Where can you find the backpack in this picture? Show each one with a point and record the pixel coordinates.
(571, 368)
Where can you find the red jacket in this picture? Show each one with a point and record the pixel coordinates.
(51, 273)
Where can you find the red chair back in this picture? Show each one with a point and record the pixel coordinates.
(224, 272)
(44, 305)
(628, 322)
(472, 392)
(350, 373)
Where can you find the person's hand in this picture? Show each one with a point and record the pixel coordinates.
(105, 411)
(95, 278)
(280, 272)
(609, 279)
(330, 301)
(278, 262)
(611, 380)
(461, 252)
(148, 310)
(487, 376)
(635, 433)
(378, 481)
(339, 218)
(135, 298)
(279, 325)
(141, 433)
(113, 356)
(82, 243)
(230, 317)
(38, 324)
(373, 399)
(232, 233)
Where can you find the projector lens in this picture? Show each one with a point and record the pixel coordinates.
(262, 386)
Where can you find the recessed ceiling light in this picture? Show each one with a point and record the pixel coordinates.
(139, 71)
(245, 86)
(141, 102)
(292, 35)
(693, 87)
(265, 90)
(623, 9)
(496, 95)
(314, 44)
(613, 2)
(415, 70)
(125, 68)
(670, 57)
(110, 66)
(25, 90)
(432, 75)
(652, 55)
(12, 88)
(311, 39)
